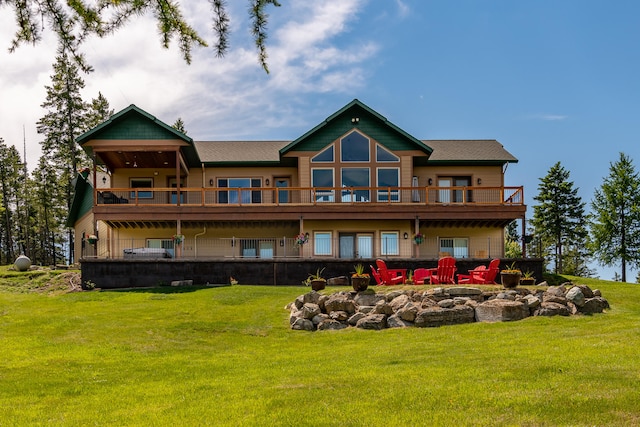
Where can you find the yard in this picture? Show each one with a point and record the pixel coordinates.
(226, 357)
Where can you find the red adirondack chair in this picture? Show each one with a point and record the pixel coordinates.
(376, 275)
(445, 273)
(481, 275)
(421, 275)
(394, 276)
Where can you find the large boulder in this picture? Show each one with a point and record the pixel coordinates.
(501, 310)
(594, 305)
(438, 316)
(373, 321)
(576, 296)
(548, 308)
(340, 301)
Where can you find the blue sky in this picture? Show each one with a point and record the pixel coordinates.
(551, 80)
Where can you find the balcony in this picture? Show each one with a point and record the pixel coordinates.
(313, 196)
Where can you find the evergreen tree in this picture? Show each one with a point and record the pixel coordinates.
(512, 248)
(74, 21)
(10, 191)
(67, 117)
(615, 217)
(179, 126)
(559, 220)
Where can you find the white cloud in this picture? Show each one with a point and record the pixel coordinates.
(548, 117)
(230, 97)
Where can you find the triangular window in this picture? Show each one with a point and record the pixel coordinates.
(383, 155)
(324, 156)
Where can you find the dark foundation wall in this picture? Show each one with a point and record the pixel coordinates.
(111, 274)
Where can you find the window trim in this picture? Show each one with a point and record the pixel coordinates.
(317, 240)
(383, 249)
(141, 194)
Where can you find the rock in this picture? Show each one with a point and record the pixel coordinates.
(373, 321)
(438, 316)
(399, 302)
(463, 291)
(331, 324)
(501, 310)
(594, 305)
(309, 310)
(532, 301)
(340, 316)
(576, 296)
(554, 298)
(558, 291)
(312, 297)
(302, 325)
(461, 300)
(587, 292)
(338, 281)
(548, 308)
(367, 298)
(446, 303)
(597, 293)
(408, 312)
(396, 321)
(353, 320)
(382, 307)
(319, 318)
(507, 296)
(340, 302)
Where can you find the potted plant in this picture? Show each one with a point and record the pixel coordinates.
(92, 238)
(409, 280)
(178, 238)
(527, 279)
(359, 279)
(316, 281)
(510, 276)
(418, 239)
(301, 239)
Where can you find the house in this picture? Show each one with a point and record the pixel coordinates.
(356, 186)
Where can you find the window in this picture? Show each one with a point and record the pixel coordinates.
(239, 196)
(388, 177)
(354, 148)
(355, 177)
(324, 156)
(383, 155)
(141, 183)
(457, 247)
(322, 243)
(323, 178)
(390, 243)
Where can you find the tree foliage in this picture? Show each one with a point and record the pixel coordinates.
(559, 219)
(73, 21)
(615, 218)
(67, 117)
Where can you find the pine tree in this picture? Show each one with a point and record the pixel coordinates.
(10, 190)
(615, 217)
(67, 117)
(559, 220)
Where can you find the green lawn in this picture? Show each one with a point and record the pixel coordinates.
(226, 357)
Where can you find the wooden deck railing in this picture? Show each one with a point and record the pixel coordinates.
(512, 196)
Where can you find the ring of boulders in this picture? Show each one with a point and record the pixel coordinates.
(438, 306)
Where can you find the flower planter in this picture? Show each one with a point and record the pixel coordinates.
(360, 283)
(318, 285)
(510, 280)
(527, 281)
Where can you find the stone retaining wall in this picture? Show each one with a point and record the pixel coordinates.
(438, 306)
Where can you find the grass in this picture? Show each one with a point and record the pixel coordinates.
(226, 357)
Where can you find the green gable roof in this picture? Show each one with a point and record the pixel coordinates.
(367, 121)
(134, 123)
(82, 200)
